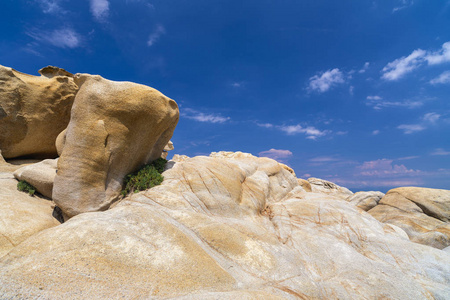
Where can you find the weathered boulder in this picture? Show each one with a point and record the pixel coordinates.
(422, 212)
(225, 227)
(167, 148)
(329, 188)
(365, 200)
(305, 184)
(115, 128)
(34, 110)
(21, 215)
(40, 175)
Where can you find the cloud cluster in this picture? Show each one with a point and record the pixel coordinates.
(326, 80)
(406, 64)
(384, 167)
(203, 117)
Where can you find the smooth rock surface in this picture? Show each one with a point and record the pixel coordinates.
(329, 188)
(34, 110)
(115, 128)
(421, 212)
(40, 175)
(21, 216)
(365, 200)
(229, 226)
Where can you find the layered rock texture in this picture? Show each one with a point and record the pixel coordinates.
(423, 213)
(228, 226)
(34, 110)
(115, 127)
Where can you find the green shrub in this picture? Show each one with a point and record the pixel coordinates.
(147, 177)
(24, 186)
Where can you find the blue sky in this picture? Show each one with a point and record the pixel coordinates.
(356, 92)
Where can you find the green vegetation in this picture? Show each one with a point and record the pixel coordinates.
(147, 177)
(24, 186)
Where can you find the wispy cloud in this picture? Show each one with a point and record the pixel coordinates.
(431, 117)
(326, 80)
(440, 152)
(379, 103)
(384, 167)
(376, 132)
(324, 159)
(276, 154)
(155, 35)
(50, 6)
(364, 68)
(100, 9)
(411, 128)
(203, 117)
(62, 38)
(406, 64)
(265, 125)
(403, 4)
(441, 79)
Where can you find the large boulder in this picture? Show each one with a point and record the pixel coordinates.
(422, 212)
(115, 128)
(34, 110)
(41, 175)
(225, 227)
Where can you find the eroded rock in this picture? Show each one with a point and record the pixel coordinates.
(115, 128)
(328, 187)
(34, 110)
(40, 175)
(365, 200)
(228, 227)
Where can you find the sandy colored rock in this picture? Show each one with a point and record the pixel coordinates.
(365, 200)
(304, 184)
(60, 142)
(21, 215)
(329, 188)
(167, 148)
(40, 175)
(421, 212)
(115, 128)
(33, 111)
(234, 227)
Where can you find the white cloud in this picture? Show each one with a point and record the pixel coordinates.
(351, 89)
(100, 9)
(375, 132)
(364, 68)
(326, 80)
(431, 117)
(384, 167)
(441, 79)
(411, 128)
(440, 151)
(202, 117)
(324, 159)
(62, 38)
(378, 103)
(311, 132)
(155, 35)
(276, 154)
(440, 56)
(404, 65)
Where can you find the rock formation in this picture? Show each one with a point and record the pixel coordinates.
(329, 188)
(40, 175)
(229, 226)
(365, 200)
(423, 213)
(34, 110)
(115, 127)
